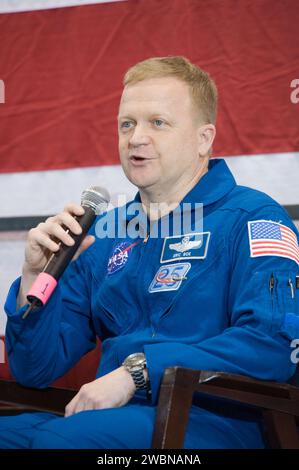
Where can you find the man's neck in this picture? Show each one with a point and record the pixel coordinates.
(157, 204)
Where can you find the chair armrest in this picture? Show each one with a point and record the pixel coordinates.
(179, 385)
(264, 394)
(51, 399)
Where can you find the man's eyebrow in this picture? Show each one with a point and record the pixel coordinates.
(124, 116)
(163, 114)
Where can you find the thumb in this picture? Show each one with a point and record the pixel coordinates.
(86, 243)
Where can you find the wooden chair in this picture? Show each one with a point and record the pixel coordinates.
(278, 403)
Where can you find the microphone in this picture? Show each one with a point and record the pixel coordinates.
(94, 201)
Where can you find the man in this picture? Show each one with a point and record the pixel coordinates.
(222, 298)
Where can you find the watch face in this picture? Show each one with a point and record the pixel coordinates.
(136, 359)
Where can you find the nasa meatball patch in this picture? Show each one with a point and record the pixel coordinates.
(120, 256)
(187, 246)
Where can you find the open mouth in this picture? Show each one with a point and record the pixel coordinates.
(136, 158)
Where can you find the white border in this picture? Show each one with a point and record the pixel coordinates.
(186, 257)
(46, 192)
(153, 291)
(13, 6)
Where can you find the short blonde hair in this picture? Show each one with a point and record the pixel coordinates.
(202, 87)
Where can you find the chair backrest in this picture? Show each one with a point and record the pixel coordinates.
(295, 379)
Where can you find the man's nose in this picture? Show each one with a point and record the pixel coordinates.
(139, 136)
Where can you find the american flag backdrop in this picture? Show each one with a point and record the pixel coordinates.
(61, 69)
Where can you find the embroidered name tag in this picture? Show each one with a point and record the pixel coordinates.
(187, 246)
(169, 277)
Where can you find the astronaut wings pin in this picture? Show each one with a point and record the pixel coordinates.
(186, 246)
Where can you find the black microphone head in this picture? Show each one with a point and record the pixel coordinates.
(96, 198)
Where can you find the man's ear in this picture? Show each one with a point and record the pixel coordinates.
(206, 136)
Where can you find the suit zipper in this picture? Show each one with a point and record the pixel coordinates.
(153, 332)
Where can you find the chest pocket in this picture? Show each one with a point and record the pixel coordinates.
(285, 303)
(145, 289)
(164, 284)
(116, 303)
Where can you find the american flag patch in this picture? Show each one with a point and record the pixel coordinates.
(268, 238)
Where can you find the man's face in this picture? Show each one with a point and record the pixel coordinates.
(158, 134)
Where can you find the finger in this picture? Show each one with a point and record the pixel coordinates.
(71, 406)
(86, 243)
(66, 219)
(38, 236)
(74, 209)
(55, 230)
(76, 407)
(82, 406)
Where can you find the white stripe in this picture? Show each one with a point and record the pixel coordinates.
(275, 252)
(274, 248)
(12, 6)
(46, 192)
(276, 174)
(261, 245)
(11, 260)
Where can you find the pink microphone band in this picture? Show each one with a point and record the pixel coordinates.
(43, 287)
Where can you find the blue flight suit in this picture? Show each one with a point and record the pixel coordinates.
(210, 301)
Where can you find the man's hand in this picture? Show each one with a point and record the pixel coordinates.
(44, 240)
(110, 391)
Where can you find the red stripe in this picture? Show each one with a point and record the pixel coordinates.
(283, 242)
(284, 228)
(277, 253)
(64, 117)
(260, 245)
(296, 255)
(289, 235)
(292, 238)
(128, 247)
(276, 245)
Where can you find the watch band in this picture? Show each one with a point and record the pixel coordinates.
(135, 364)
(139, 379)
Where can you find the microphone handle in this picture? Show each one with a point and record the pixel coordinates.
(58, 261)
(46, 281)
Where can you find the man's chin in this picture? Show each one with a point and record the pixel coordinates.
(141, 181)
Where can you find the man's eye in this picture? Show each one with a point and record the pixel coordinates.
(158, 122)
(125, 125)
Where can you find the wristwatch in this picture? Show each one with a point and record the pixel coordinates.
(135, 365)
